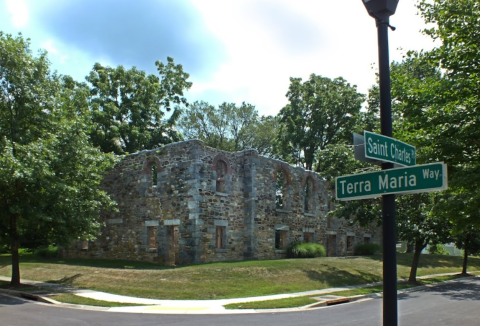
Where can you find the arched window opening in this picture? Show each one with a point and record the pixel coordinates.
(280, 190)
(221, 169)
(154, 174)
(309, 196)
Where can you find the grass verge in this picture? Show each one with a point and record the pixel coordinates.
(303, 301)
(75, 299)
(65, 297)
(273, 304)
(223, 280)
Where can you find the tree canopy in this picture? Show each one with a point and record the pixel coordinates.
(228, 127)
(128, 106)
(321, 111)
(49, 171)
(454, 116)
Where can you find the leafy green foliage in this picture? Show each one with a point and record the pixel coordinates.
(49, 172)
(437, 100)
(228, 127)
(321, 111)
(367, 249)
(4, 249)
(305, 250)
(453, 116)
(47, 252)
(437, 249)
(126, 106)
(338, 160)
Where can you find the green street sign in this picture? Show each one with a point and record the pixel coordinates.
(408, 180)
(387, 149)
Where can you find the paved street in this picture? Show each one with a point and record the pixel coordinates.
(455, 303)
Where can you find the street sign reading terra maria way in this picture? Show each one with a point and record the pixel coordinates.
(414, 179)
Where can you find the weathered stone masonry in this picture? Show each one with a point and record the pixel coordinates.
(188, 203)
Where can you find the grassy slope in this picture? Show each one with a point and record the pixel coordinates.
(223, 280)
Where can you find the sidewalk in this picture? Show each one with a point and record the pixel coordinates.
(184, 306)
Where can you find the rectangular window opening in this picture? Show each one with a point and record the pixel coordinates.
(220, 237)
(308, 237)
(350, 244)
(280, 239)
(152, 237)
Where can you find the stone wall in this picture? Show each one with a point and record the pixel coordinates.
(208, 205)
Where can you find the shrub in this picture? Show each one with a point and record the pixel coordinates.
(437, 249)
(47, 252)
(4, 249)
(305, 250)
(367, 249)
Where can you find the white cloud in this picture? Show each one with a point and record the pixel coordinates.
(48, 45)
(260, 61)
(19, 13)
(53, 51)
(266, 42)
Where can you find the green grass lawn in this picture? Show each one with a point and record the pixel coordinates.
(223, 280)
(74, 299)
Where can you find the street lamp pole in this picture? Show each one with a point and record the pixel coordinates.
(381, 10)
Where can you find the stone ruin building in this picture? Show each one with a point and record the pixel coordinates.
(186, 203)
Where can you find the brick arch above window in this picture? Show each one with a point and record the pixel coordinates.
(147, 164)
(310, 190)
(286, 173)
(314, 181)
(221, 169)
(221, 157)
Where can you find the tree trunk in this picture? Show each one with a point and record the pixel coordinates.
(15, 281)
(419, 246)
(465, 258)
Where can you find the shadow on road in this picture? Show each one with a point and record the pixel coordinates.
(6, 300)
(460, 290)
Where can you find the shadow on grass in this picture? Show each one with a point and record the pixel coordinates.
(334, 277)
(66, 280)
(100, 263)
(430, 260)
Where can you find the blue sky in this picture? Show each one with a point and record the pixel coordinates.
(234, 50)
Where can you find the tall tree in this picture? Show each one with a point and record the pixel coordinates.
(414, 83)
(128, 106)
(454, 117)
(49, 172)
(321, 111)
(228, 127)
(447, 125)
(456, 207)
(419, 224)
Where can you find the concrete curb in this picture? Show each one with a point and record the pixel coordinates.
(325, 299)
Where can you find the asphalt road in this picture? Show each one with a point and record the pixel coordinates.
(456, 303)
